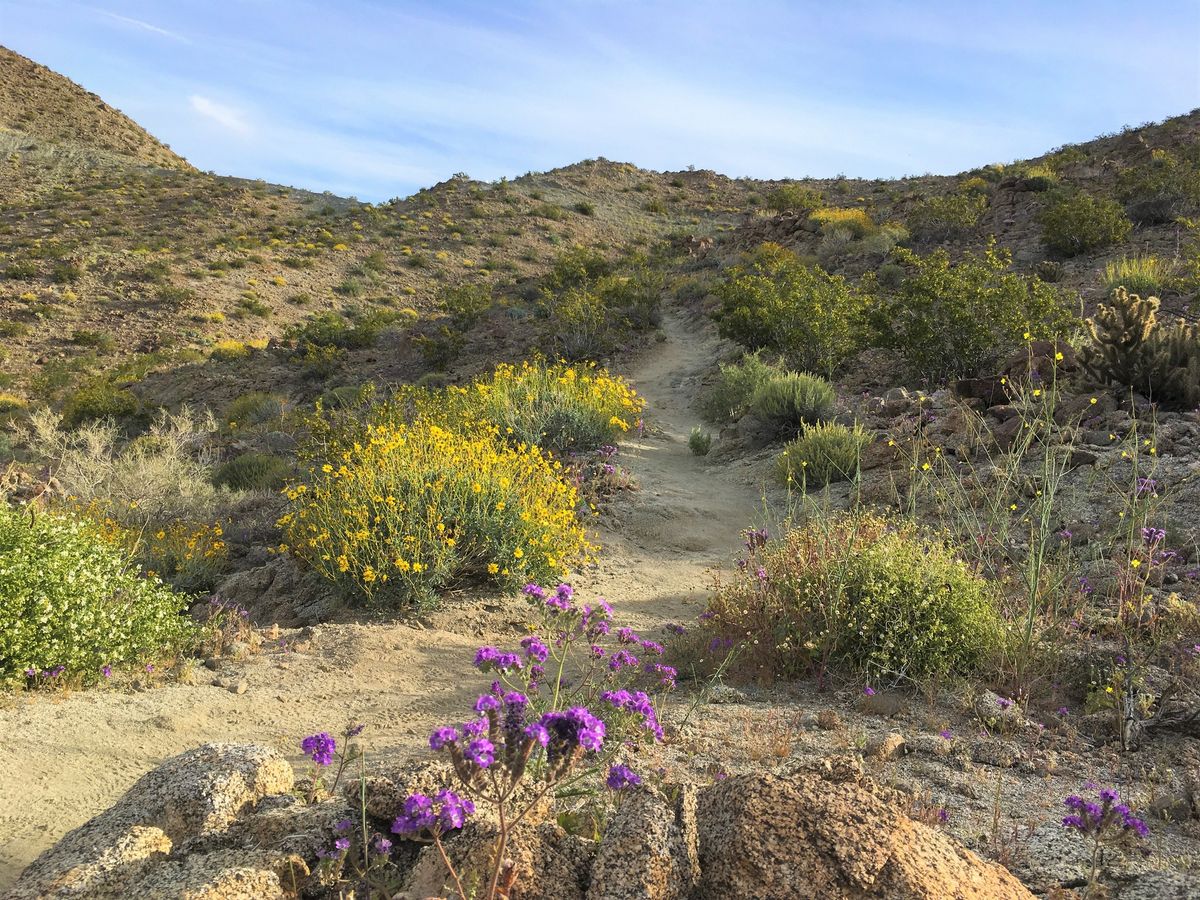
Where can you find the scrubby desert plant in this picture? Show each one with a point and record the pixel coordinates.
(1162, 190)
(1080, 222)
(857, 222)
(776, 301)
(255, 408)
(98, 399)
(71, 604)
(728, 399)
(855, 592)
(794, 197)
(699, 441)
(962, 318)
(1130, 346)
(1143, 275)
(823, 453)
(399, 516)
(793, 399)
(949, 216)
(253, 471)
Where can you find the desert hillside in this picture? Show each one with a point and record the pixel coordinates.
(599, 532)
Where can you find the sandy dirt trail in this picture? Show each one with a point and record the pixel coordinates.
(66, 758)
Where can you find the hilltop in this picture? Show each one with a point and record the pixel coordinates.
(37, 105)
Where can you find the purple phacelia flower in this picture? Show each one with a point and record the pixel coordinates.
(621, 777)
(534, 648)
(481, 752)
(320, 747)
(443, 736)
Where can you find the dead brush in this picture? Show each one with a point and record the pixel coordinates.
(771, 739)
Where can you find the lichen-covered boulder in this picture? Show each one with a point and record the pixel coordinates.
(769, 836)
(198, 793)
(650, 850)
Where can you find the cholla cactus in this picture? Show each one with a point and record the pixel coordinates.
(1130, 346)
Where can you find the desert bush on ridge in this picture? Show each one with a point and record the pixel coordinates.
(1080, 222)
(775, 301)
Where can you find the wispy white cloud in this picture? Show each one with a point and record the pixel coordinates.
(225, 116)
(143, 25)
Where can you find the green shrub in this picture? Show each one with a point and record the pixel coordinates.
(961, 319)
(255, 408)
(859, 593)
(253, 472)
(1080, 222)
(585, 208)
(794, 197)
(950, 216)
(69, 598)
(101, 340)
(576, 267)
(815, 319)
(98, 399)
(699, 442)
(465, 303)
(10, 328)
(1037, 178)
(1143, 275)
(823, 453)
(793, 399)
(1162, 190)
(359, 330)
(729, 397)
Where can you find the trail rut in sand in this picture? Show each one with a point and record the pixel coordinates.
(67, 758)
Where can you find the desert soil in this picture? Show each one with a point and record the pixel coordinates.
(70, 756)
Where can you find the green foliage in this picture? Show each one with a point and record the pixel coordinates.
(11, 328)
(359, 330)
(1144, 275)
(794, 197)
(69, 598)
(585, 208)
(1130, 346)
(1037, 178)
(253, 472)
(699, 442)
(576, 267)
(775, 301)
(949, 216)
(729, 397)
(793, 400)
(98, 398)
(961, 319)
(254, 408)
(823, 453)
(465, 303)
(859, 593)
(1080, 222)
(1162, 190)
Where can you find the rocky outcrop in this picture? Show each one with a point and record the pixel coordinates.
(190, 797)
(222, 823)
(770, 836)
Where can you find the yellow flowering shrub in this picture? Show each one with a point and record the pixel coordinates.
(857, 221)
(557, 407)
(395, 511)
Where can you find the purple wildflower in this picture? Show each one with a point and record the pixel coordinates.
(621, 777)
(534, 648)
(481, 752)
(320, 747)
(868, 691)
(443, 736)
(106, 670)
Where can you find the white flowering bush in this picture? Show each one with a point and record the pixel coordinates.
(72, 604)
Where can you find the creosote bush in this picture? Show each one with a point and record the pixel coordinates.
(859, 593)
(823, 453)
(1081, 222)
(949, 216)
(775, 301)
(71, 603)
(253, 471)
(961, 319)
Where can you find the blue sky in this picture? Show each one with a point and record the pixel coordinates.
(377, 98)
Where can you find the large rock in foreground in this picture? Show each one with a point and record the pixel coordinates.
(799, 835)
(188, 798)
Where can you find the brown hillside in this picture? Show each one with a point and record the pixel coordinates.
(45, 105)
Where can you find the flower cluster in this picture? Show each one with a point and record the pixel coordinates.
(444, 811)
(1109, 821)
(320, 747)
